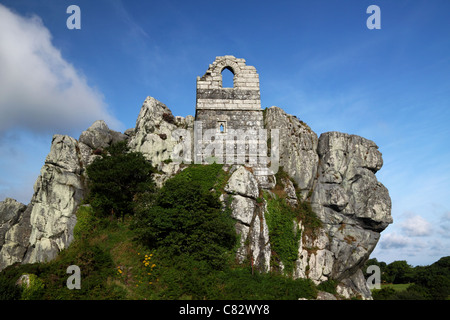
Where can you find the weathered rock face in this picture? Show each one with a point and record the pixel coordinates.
(335, 173)
(353, 206)
(153, 132)
(46, 226)
(99, 136)
(242, 192)
(347, 181)
(58, 191)
(10, 212)
(159, 135)
(39, 231)
(297, 147)
(14, 228)
(336, 250)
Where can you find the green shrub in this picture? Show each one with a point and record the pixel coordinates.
(389, 293)
(283, 234)
(209, 177)
(35, 289)
(183, 277)
(308, 217)
(86, 221)
(186, 218)
(399, 272)
(433, 281)
(116, 178)
(421, 282)
(383, 294)
(240, 283)
(8, 288)
(328, 286)
(96, 267)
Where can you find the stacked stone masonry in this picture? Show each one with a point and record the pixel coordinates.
(228, 109)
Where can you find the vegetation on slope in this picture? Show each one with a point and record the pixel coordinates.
(116, 178)
(135, 242)
(283, 232)
(282, 221)
(400, 281)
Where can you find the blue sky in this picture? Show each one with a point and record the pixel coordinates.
(316, 60)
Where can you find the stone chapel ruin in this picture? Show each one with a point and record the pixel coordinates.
(232, 115)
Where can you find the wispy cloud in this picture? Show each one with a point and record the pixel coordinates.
(41, 93)
(39, 90)
(415, 239)
(134, 28)
(416, 226)
(394, 241)
(444, 225)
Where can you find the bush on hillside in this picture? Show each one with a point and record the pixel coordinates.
(116, 177)
(186, 218)
(8, 288)
(424, 282)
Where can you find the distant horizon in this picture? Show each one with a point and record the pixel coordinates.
(318, 61)
(412, 265)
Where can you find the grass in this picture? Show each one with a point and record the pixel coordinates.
(397, 287)
(283, 234)
(115, 266)
(282, 220)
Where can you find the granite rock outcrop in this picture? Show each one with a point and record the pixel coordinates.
(335, 173)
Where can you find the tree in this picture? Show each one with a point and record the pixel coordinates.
(427, 282)
(382, 265)
(434, 280)
(185, 218)
(116, 178)
(399, 272)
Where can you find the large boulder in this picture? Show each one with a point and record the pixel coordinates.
(154, 135)
(99, 136)
(39, 231)
(248, 211)
(297, 147)
(352, 205)
(14, 231)
(57, 193)
(10, 212)
(243, 182)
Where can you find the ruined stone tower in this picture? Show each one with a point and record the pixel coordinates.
(226, 110)
(236, 107)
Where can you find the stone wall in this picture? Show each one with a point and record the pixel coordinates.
(234, 119)
(238, 107)
(228, 109)
(245, 93)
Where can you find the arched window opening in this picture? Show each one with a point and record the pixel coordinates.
(227, 78)
(222, 126)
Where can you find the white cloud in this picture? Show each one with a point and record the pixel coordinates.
(40, 90)
(394, 240)
(416, 226)
(444, 226)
